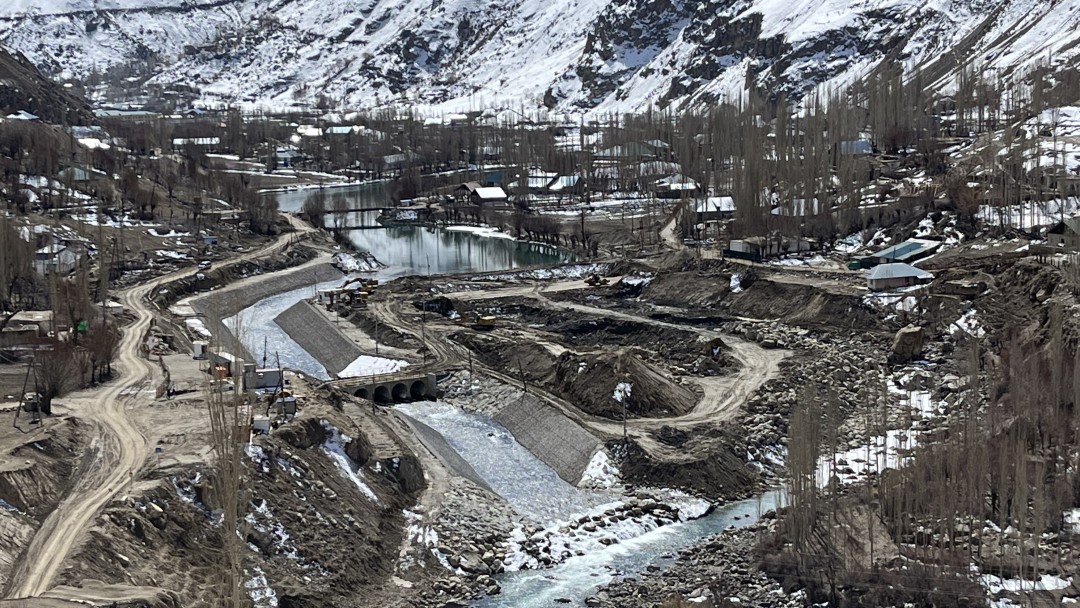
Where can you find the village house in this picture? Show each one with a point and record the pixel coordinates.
(567, 185)
(885, 277)
(675, 186)
(56, 258)
(714, 208)
(759, 247)
(907, 252)
(80, 175)
(1065, 235)
(493, 195)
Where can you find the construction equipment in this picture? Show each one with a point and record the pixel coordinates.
(484, 324)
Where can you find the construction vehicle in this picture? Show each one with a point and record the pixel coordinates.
(484, 324)
(594, 280)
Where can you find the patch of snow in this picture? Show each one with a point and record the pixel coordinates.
(968, 325)
(367, 365)
(259, 589)
(736, 284)
(486, 231)
(334, 446)
(601, 472)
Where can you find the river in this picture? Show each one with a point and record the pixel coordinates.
(529, 485)
(405, 250)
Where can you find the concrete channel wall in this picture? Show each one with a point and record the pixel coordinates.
(447, 455)
(552, 437)
(318, 336)
(219, 305)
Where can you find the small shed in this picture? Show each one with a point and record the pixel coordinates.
(894, 276)
(675, 186)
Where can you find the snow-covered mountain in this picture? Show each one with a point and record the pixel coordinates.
(612, 55)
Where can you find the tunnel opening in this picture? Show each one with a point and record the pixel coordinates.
(401, 392)
(382, 394)
(363, 393)
(418, 389)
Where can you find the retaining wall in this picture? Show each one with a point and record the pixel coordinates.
(437, 444)
(552, 437)
(317, 335)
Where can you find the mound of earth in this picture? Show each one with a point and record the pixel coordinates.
(590, 382)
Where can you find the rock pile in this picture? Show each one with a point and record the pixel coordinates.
(719, 571)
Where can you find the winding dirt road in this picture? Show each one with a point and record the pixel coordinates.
(722, 396)
(119, 450)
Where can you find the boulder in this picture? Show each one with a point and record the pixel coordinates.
(908, 343)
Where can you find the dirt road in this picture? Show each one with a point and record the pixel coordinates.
(721, 396)
(120, 449)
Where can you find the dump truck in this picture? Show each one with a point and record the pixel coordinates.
(484, 324)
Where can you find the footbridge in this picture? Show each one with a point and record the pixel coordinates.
(399, 387)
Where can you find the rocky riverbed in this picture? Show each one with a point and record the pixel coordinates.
(719, 571)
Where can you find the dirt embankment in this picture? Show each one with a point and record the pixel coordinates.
(587, 380)
(681, 351)
(34, 474)
(216, 278)
(322, 522)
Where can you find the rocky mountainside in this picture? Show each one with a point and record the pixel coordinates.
(570, 55)
(22, 88)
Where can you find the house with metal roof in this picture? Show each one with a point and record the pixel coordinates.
(907, 252)
(895, 276)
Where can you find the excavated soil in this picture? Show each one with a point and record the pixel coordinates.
(316, 535)
(34, 474)
(678, 350)
(587, 380)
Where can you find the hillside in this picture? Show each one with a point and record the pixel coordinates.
(568, 54)
(22, 87)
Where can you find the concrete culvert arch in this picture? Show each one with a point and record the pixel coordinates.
(418, 390)
(401, 392)
(382, 394)
(363, 393)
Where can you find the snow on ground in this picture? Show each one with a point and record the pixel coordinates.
(564, 273)
(348, 263)
(198, 328)
(889, 451)
(601, 473)
(900, 300)
(487, 231)
(622, 391)
(259, 589)
(736, 284)
(165, 235)
(1072, 520)
(334, 446)
(1047, 582)
(967, 325)
(366, 365)
(849, 244)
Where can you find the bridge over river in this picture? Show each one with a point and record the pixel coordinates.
(398, 387)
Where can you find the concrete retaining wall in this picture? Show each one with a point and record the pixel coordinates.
(437, 444)
(222, 304)
(552, 437)
(318, 336)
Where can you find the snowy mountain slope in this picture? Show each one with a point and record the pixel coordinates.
(610, 55)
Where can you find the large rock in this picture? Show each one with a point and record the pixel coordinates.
(908, 343)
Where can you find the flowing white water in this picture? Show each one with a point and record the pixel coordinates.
(534, 490)
(531, 487)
